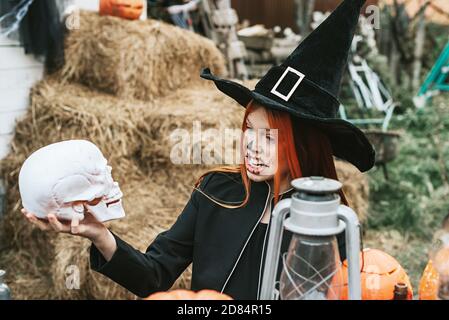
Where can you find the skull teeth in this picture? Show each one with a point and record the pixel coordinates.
(112, 202)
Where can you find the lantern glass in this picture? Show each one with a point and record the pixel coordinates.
(312, 269)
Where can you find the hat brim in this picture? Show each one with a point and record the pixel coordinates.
(348, 142)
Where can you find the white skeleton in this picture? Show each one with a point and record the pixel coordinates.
(64, 177)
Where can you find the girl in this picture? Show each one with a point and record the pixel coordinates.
(289, 130)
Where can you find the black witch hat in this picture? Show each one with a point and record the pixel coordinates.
(307, 84)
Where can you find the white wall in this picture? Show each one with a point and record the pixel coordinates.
(18, 73)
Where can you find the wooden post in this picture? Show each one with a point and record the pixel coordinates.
(419, 48)
(304, 12)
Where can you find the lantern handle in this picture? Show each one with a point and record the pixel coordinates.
(352, 238)
(274, 247)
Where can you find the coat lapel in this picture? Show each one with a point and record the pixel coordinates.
(245, 223)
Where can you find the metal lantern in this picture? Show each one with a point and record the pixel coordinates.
(312, 269)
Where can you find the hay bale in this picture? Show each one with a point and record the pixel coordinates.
(136, 59)
(26, 279)
(151, 208)
(126, 132)
(16, 233)
(140, 131)
(152, 205)
(139, 61)
(355, 187)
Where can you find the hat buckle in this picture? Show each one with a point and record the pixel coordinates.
(287, 97)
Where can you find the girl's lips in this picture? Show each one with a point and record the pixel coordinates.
(255, 161)
(254, 168)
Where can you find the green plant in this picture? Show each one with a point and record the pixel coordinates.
(416, 196)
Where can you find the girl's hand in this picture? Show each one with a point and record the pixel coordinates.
(89, 227)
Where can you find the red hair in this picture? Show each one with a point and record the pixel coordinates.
(306, 150)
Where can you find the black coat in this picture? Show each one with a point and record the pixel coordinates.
(205, 234)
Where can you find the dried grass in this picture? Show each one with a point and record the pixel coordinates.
(355, 187)
(134, 136)
(136, 59)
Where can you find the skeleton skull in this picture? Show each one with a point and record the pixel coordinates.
(65, 177)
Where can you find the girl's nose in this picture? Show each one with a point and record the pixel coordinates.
(251, 147)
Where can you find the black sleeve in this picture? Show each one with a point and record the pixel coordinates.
(162, 263)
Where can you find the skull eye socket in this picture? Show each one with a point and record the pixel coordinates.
(94, 202)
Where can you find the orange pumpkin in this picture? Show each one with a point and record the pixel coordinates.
(380, 273)
(182, 294)
(428, 286)
(127, 9)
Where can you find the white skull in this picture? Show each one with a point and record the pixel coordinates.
(63, 177)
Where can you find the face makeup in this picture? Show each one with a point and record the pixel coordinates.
(260, 154)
